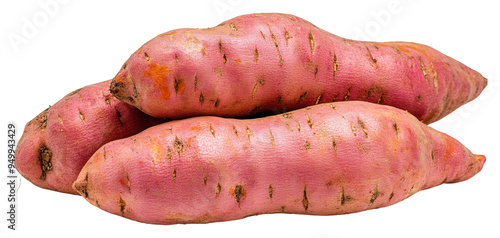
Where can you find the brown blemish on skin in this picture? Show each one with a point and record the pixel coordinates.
(255, 86)
(201, 98)
(424, 70)
(262, 34)
(174, 174)
(107, 99)
(195, 82)
(311, 41)
(432, 155)
(309, 122)
(169, 154)
(146, 56)
(159, 74)
(318, 99)
(45, 160)
(233, 27)
(234, 130)
(287, 115)
(277, 46)
(178, 145)
(82, 117)
(334, 144)
(390, 196)
(179, 85)
(216, 104)
(305, 201)
(362, 125)
(212, 130)
(375, 194)
(373, 60)
(248, 132)
(270, 189)
(298, 127)
(346, 96)
(395, 128)
(334, 65)
(256, 55)
(122, 205)
(353, 129)
(271, 137)
(119, 115)
(344, 198)
(217, 190)
(307, 145)
(287, 36)
(60, 120)
(302, 97)
(205, 180)
(238, 192)
(283, 208)
(218, 72)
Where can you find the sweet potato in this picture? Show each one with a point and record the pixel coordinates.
(270, 63)
(58, 142)
(331, 158)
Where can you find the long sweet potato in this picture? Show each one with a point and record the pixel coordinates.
(58, 142)
(269, 63)
(331, 158)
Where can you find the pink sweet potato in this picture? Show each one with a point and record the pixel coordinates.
(270, 63)
(331, 158)
(58, 142)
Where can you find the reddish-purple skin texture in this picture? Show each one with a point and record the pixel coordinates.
(271, 63)
(332, 158)
(58, 142)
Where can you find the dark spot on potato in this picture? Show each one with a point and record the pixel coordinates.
(119, 115)
(45, 160)
(362, 125)
(201, 99)
(283, 208)
(334, 65)
(395, 128)
(233, 27)
(174, 174)
(270, 189)
(256, 55)
(146, 56)
(122, 205)
(302, 97)
(390, 196)
(216, 104)
(178, 146)
(305, 201)
(217, 190)
(344, 198)
(375, 194)
(205, 180)
(42, 118)
(287, 115)
(238, 193)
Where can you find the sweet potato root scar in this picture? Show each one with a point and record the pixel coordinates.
(159, 74)
(81, 186)
(45, 160)
(122, 205)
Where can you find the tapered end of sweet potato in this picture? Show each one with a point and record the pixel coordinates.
(481, 160)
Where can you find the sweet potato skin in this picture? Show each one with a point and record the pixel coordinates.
(58, 142)
(271, 63)
(326, 159)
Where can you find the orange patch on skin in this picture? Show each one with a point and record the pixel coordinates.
(157, 151)
(237, 61)
(179, 86)
(159, 74)
(196, 128)
(450, 149)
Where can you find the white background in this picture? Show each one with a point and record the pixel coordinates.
(85, 42)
